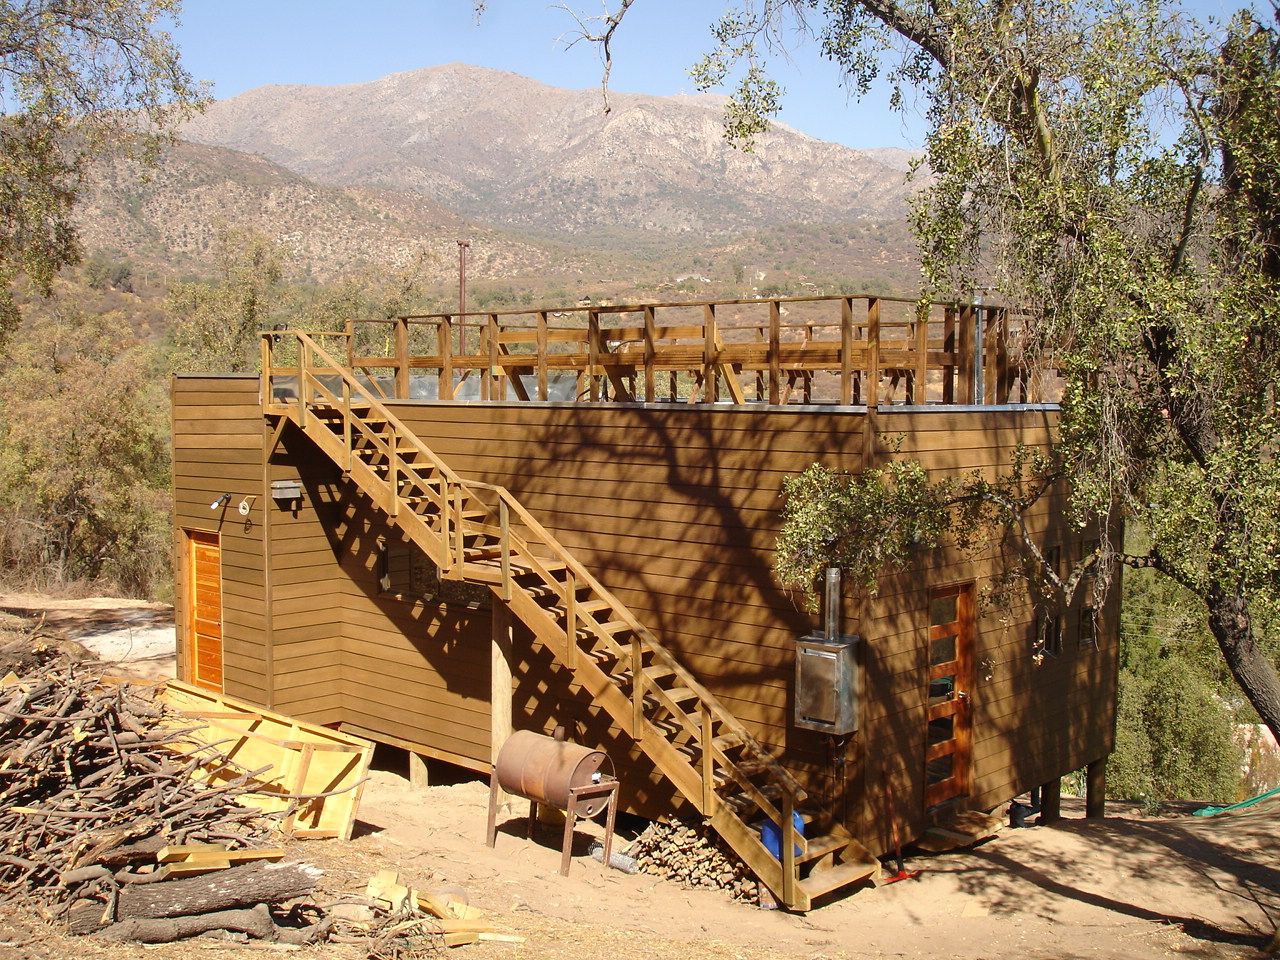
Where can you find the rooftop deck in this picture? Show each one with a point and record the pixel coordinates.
(830, 350)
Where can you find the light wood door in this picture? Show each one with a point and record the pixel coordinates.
(204, 613)
(949, 707)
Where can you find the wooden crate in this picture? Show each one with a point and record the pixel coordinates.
(321, 772)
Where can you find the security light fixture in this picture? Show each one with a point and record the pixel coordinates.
(222, 501)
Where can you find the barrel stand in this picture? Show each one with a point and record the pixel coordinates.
(606, 788)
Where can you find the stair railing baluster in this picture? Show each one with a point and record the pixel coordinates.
(304, 355)
(446, 523)
(637, 689)
(393, 473)
(346, 421)
(788, 832)
(708, 762)
(504, 524)
(571, 620)
(457, 528)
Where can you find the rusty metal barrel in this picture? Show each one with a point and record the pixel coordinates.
(545, 770)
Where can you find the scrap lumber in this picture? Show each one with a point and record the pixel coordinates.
(314, 776)
(90, 777)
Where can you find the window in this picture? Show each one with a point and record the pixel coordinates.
(406, 573)
(1048, 638)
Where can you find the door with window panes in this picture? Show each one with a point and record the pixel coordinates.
(948, 706)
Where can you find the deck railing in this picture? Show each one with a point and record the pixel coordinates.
(844, 350)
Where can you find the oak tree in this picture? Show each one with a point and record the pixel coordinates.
(1111, 170)
(77, 77)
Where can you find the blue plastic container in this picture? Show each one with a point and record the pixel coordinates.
(771, 835)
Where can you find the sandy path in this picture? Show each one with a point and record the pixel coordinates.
(133, 637)
(1127, 887)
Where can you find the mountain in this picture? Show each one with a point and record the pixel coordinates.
(509, 151)
(168, 217)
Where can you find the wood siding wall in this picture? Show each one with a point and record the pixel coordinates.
(674, 509)
(218, 440)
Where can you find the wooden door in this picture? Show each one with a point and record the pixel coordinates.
(204, 611)
(948, 712)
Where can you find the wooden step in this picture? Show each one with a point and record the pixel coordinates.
(819, 847)
(679, 695)
(658, 672)
(841, 875)
(726, 742)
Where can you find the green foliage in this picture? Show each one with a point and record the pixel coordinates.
(216, 323)
(77, 78)
(1111, 168)
(864, 523)
(104, 273)
(84, 460)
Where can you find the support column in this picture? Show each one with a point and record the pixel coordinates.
(419, 778)
(501, 687)
(1051, 801)
(1095, 798)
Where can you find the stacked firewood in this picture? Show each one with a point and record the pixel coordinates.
(691, 855)
(98, 802)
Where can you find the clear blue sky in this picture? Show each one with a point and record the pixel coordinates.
(239, 45)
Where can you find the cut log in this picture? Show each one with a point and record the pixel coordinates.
(241, 886)
(256, 922)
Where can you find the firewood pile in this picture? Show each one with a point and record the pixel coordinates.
(692, 855)
(98, 806)
(111, 826)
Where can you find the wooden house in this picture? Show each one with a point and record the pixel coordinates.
(431, 530)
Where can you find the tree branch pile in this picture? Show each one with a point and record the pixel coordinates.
(95, 780)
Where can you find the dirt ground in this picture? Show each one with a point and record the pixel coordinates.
(1126, 887)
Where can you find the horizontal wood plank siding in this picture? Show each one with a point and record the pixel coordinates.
(217, 449)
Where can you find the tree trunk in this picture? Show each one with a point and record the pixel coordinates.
(243, 886)
(257, 923)
(1252, 668)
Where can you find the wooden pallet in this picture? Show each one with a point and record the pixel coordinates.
(318, 771)
(479, 533)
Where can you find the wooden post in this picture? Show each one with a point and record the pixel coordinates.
(492, 375)
(708, 763)
(650, 333)
(1051, 801)
(920, 384)
(419, 779)
(846, 351)
(264, 388)
(965, 348)
(571, 620)
(710, 376)
(402, 358)
(1095, 799)
(637, 690)
(444, 335)
(501, 685)
(788, 851)
(304, 357)
(347, 439)
(504, 522)
(542, 354)
(775, 352)
(949, 347)
(393, 471)
(593, 354)
(873, 352)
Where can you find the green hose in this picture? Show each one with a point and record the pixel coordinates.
(1214, 811)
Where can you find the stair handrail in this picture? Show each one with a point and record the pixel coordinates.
(791, 788)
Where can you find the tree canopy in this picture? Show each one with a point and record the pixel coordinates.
(77, 77)
(1110, 169)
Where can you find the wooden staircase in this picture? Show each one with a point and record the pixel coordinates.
(479, 533)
